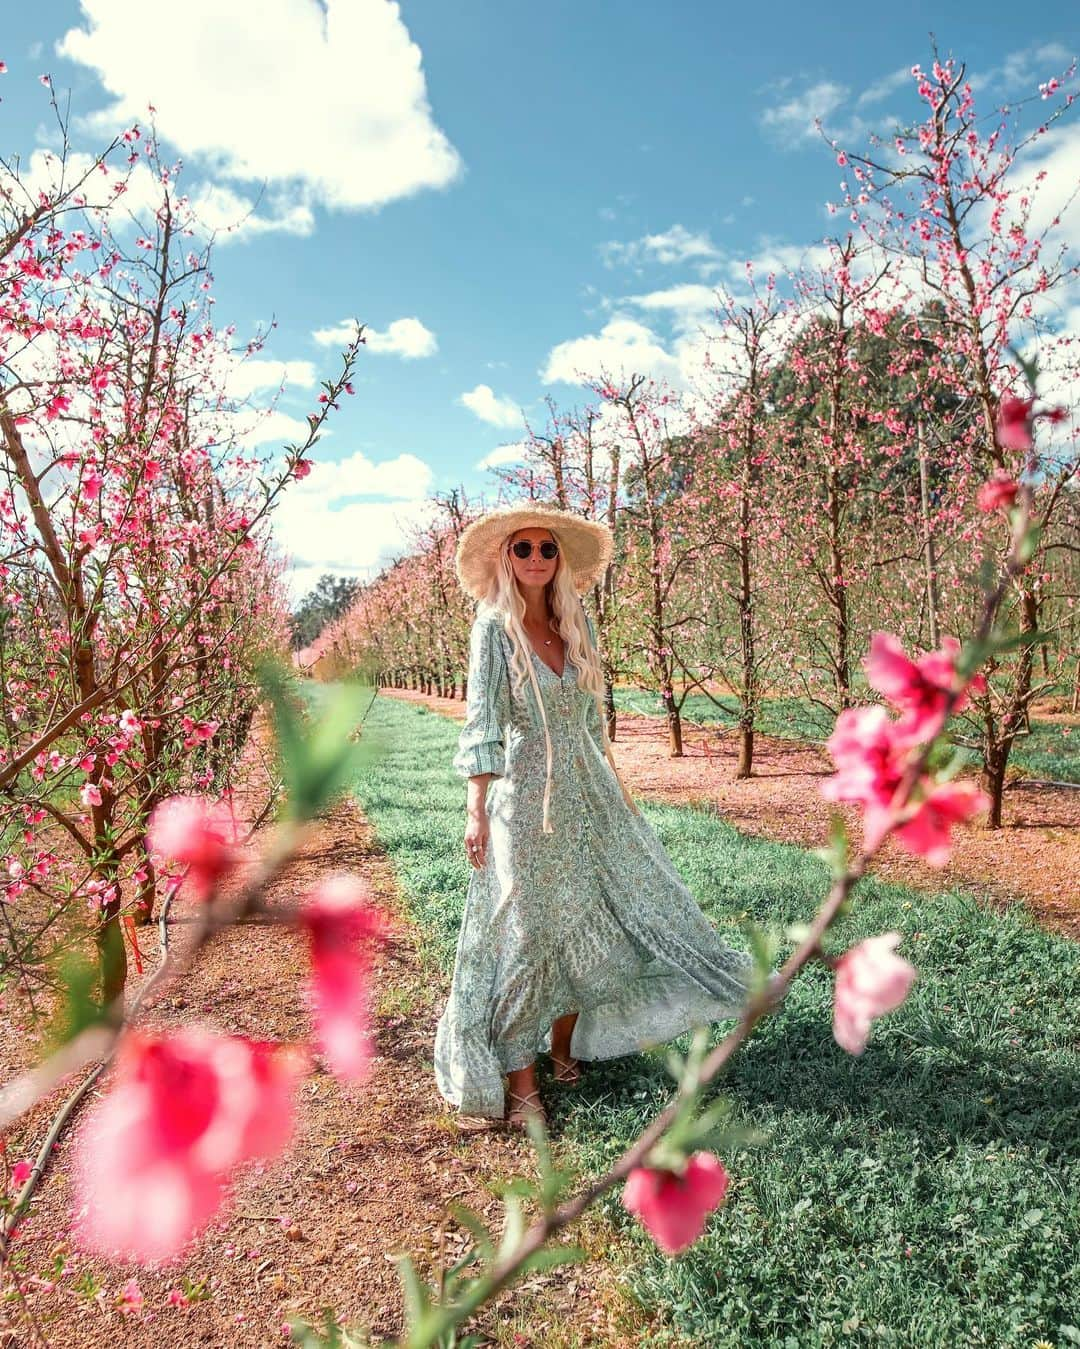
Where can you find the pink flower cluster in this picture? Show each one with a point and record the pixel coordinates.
(184, 1110)
(872, 752)
(197, 833)
(187, 1108)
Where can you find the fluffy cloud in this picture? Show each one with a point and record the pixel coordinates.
(673, 246)
(490, 408)
(407, 338)
(327, 100)
(622, 347)
(513, 452)
(352, 516)
(794, 120)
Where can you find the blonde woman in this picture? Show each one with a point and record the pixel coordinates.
(578, 938)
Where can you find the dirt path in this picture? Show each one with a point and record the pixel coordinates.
(1034, 858)
(370, 1172)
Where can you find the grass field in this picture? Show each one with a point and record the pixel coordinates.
(1051, 752)
(926, 1194)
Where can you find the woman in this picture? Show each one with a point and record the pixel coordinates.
(578, 936)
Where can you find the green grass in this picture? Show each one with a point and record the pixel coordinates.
(926, 1194)
(1046, 754)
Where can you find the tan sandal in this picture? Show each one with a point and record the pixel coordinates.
(566, 1071)
(519, 1113)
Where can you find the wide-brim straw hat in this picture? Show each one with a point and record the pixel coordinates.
(585, 545)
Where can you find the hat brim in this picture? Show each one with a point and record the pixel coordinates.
(586, 545)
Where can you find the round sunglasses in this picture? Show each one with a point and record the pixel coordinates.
(524, 549)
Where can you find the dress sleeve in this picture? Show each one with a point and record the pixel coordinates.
(480, 745)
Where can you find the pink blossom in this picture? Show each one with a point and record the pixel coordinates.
(302, 468)
(128, 722)
(131, 1298)
(868, 755)
(918, 689)
(928, 832)
(183, 1111)
(673, 1207)
(151, 470)
(344, 927)
(199, 833)
(1014, 424)
(90, 794)
(1000, 491)
(20, 1172)
(91, 484)
(870, 981)
(177, 1298)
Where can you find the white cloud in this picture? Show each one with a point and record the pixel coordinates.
(513, 452)
(673, 246)
(351, 516)
(407, 338)
(490, 408)
(686, 303)
(1024, 69)
(795, 120)
(888, 84)
(623, 347)
(327, 99)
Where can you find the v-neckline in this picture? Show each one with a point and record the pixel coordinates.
(554, 673)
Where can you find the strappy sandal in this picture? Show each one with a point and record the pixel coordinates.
(518, 1114)
(567, 1072)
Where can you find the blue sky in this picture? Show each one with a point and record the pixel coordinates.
(507, 193)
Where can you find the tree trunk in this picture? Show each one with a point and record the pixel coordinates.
(929, 549)
(674, 722)
(995, 762)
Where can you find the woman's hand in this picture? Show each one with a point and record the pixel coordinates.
(476, 837)
(478, 828)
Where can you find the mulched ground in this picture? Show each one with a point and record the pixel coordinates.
(370, 1174)
(1034, 858)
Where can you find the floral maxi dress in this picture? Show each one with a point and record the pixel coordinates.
(592, 918)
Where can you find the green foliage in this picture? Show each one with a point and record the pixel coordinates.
(318, 755)
(895, 1200)
(80, 1006)
(332, 597)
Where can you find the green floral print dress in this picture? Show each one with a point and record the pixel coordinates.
(592, 918)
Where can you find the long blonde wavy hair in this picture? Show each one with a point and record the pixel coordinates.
(562, 598)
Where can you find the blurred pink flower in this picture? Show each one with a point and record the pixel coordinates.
(90, 794)
(999, 491)
(1014, 422)
(870, 981)
(345, 928)
(20, 1172)
(197, 832)
(868, 755)
(183, 1111)
(673, 1207)
(928, 833)
(131, 1298)
(918, 689)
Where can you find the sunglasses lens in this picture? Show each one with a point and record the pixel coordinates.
(523, 549)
